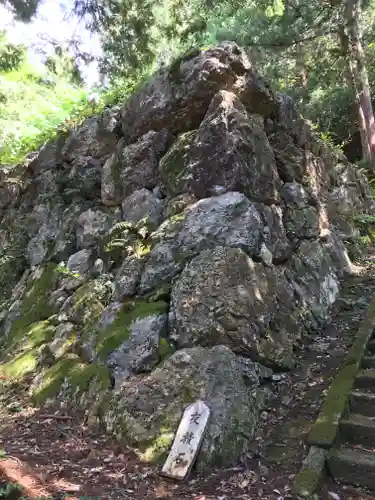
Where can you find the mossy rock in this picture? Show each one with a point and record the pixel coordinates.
(69, 377)
(12, 260)
(312, 473)
(110, 338)
(324, 431)
(22, 358)
(149, 416)
(88, 302)
(173, 165)
(35, 305)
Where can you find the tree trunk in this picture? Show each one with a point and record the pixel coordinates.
(302, 74)
(350, 81)
(358, 71)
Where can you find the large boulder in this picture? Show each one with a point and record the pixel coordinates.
(224, 297)
(144, 207)
(133, 167)
(229, 152)
(301, 214)
(93, 225)
(147, 412)
(315, 280)
(141, 351)
(95, 138)
(178, 97)
(229, 219)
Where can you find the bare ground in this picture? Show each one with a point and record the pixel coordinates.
(55, 455)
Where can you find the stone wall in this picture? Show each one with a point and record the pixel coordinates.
(174, 249)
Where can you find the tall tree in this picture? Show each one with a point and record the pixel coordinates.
(351, 38)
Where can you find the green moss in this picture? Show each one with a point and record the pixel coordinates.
(77, 375)
(363, 335)
(88, 302)
(21, 365)
(157, 450)
(35, 306)
(24, 359)
(173, 164)
(160, 294)
(324, 431)
(81, 376)
(165, 349)
(113, 336)
(306, 482)
(53, 377)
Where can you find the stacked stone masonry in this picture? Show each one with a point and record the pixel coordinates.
(177, 248)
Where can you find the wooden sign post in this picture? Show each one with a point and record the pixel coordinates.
(187, 441)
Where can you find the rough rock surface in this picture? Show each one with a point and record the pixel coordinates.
(149, 413)
(204, 217)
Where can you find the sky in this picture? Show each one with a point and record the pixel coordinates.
(53, 21)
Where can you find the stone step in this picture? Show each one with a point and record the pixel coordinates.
(365, 379)
(371, 346)
(355, 467)
(357, 429)
(362, 403)
(368, 362)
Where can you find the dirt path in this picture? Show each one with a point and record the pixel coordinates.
(56, 456)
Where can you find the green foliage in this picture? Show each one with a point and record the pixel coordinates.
(11, 56)
(64, 66)
(31, 109)
(9, 489)
(126, 236)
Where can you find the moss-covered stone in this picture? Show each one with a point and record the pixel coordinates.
(311, 475)
(325, 429)
(12, 260)
(165, 349)
(173, 164)
(21, 359)
(70, 376)
(148, 417)
(118, 331)
(88, 302)
(35, 305)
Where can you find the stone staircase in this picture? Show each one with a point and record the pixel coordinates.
(352, 460)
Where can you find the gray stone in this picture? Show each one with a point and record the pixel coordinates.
(97, 268)
(178, 204)
(148, 412)
(9, 194)
(315, 281)
(274, 235)
(128, 277)
(178, 97)
(239, 157)
(223, 297)
(133, 167)
(64, 336)
(143, 207)
(140, 353)
(229, 219)
(84, 179)
(253, 373)
(80, 262)
(301, 219)
(93, 225)
(94, 138)
(312, 473)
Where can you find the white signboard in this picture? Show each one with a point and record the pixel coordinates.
(187, 442)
